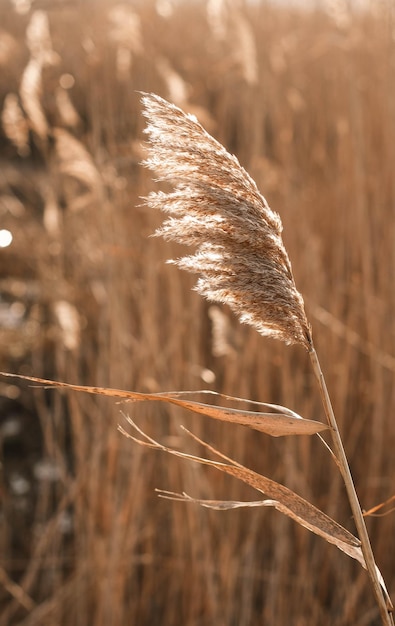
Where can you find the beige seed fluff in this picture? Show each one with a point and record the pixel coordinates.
(216, 206)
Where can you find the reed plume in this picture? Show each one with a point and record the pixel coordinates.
(215, 205)
(240, 257)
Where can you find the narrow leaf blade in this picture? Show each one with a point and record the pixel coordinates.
(285, 500)
(283, 422)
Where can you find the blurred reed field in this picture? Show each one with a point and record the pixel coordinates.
(306, 100)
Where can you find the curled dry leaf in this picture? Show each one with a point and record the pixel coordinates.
(282, 498)
(279, 423)
(346, 542)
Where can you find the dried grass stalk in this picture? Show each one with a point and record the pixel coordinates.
(216, 206)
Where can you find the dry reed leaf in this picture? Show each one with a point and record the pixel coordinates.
(283, 499)
(216, 205)
(282, 422)
(324, 526)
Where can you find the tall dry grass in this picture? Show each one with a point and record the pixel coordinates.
(305, 100)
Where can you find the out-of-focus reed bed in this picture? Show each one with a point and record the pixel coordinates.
(306, 100)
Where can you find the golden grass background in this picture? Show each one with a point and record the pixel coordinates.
(306, 100)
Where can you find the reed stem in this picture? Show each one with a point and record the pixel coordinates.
(384, 602)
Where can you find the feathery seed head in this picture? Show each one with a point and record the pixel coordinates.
(216, 206)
